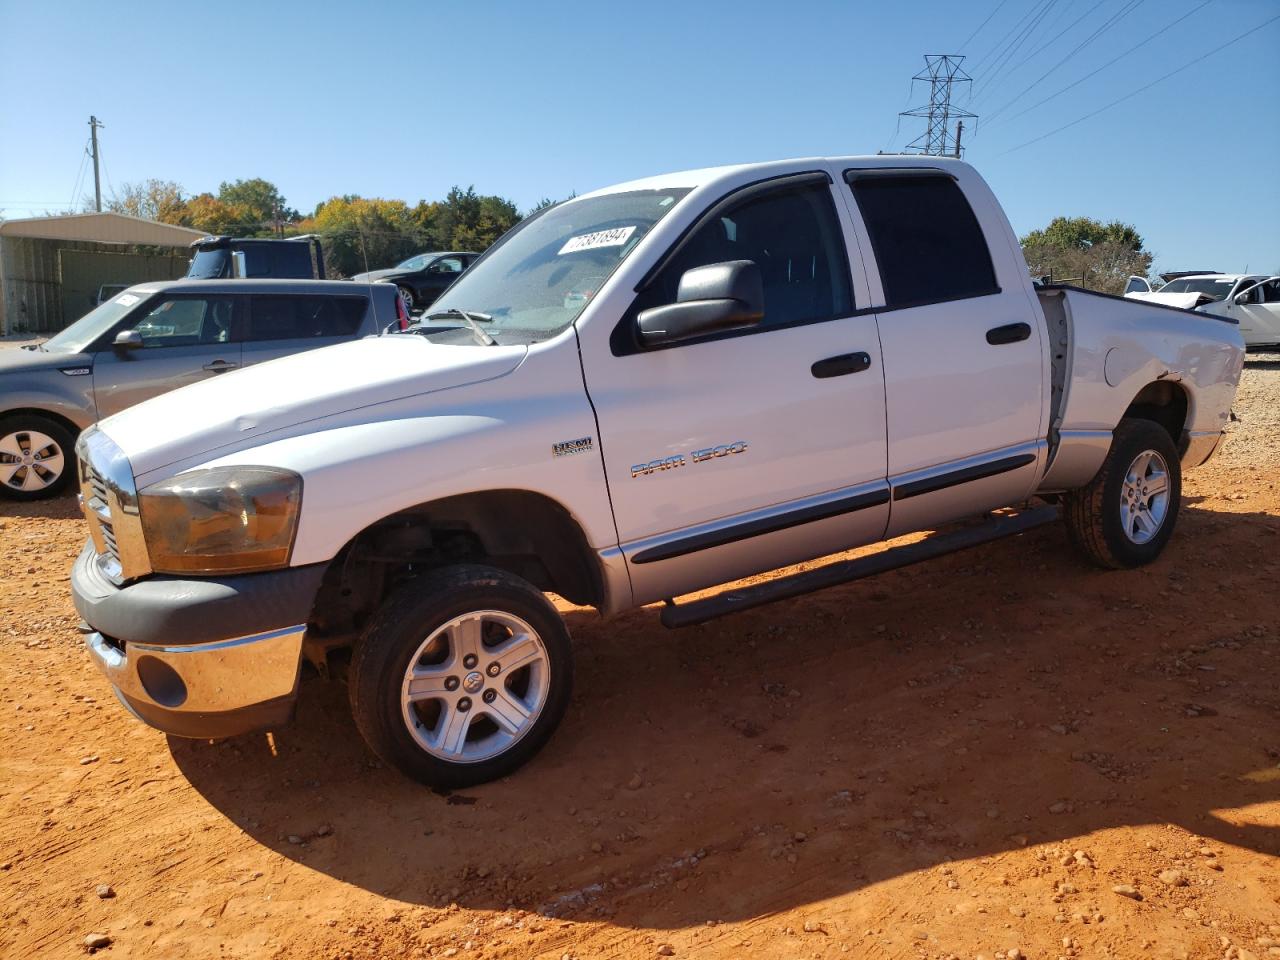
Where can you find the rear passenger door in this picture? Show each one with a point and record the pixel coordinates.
(277, 324)
(963, 350)
(184, 339)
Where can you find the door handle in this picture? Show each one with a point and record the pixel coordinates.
(220, 366)
(839, 366)
(1009, 333)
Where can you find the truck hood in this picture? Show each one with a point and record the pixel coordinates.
(1185, 301)
(268, 397)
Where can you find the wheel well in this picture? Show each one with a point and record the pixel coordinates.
(524, 533)
(1164, 403)
(69, 425)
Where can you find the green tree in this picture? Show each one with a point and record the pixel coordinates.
(363, 234)
(152, 200)
(1099, 256)
(258, 204)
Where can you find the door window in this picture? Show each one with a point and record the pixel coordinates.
(303, 317)
(927, 242)
(187, 321)
(446, 265)
(1271, 291)
(793, 234)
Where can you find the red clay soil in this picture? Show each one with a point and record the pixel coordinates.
(1004, 753)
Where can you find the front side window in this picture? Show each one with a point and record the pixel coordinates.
(927, 242)
(1271, 291)
(792, 233)
(186, 322)
(446, 265)
(286, 317)
(530, 285)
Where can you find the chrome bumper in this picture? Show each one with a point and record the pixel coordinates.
(205, 690)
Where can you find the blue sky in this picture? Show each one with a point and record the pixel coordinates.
(540, 99)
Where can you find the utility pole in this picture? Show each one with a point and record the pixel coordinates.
(94, 124)
(943, 72)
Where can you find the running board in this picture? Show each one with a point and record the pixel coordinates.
(844, 571)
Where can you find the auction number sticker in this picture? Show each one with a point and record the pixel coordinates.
(594, 241)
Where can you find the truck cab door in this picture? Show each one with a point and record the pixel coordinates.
(748, 449)
(964, 350)
(183, 339)
(1259, 315)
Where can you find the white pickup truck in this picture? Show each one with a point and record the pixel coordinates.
(759, 365)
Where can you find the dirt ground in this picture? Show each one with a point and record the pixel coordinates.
(962, 759)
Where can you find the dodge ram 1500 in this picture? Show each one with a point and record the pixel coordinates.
(770, 363)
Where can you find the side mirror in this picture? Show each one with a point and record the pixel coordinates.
(127, 340)
(1242, 298)
(719, 296)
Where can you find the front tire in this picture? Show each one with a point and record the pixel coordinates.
(1125, 515)
(36, 457)
(462, 676)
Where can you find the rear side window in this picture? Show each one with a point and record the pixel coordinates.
(303, 317)
(926, 239)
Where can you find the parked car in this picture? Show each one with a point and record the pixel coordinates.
(423, 277)
(1252, 300)
(786, 360)
(257, 258)
(150, 339)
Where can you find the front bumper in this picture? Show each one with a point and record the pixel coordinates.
(201, 657)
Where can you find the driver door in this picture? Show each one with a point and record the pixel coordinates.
(185, 339)
(748, 449)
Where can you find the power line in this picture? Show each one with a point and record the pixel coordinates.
(984, 87)
(978, 28)
(75, 189)
(1057, 36)
(1145, 87)
(1112, 21)
(1111, 62)
(999, 44)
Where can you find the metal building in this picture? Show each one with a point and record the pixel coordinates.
(51, 267)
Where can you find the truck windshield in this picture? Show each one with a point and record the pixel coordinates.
(93, 324)
(544, 273)
(1215, 287)
(212, 264)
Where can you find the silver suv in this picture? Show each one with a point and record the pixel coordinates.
(153, 338)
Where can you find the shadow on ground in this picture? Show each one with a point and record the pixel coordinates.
(986, 701)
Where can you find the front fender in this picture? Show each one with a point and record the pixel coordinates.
(72, 401)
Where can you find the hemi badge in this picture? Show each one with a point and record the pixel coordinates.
(567, 448)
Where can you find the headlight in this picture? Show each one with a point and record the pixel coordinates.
(221, 520)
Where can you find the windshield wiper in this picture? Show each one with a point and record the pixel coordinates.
(471, 317)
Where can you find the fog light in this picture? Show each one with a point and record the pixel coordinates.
(162, 683)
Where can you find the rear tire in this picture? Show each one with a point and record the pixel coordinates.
(37, 457)
(462, 676)
(1125, 515)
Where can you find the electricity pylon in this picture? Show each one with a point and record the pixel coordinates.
(939, 140)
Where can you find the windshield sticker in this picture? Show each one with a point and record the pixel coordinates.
(126, 299)
(594, 241)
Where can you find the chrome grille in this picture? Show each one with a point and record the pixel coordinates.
(109, 500)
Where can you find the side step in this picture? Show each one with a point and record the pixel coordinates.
(843, 571)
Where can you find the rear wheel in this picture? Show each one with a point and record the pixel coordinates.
(1126, 514)
(462, 676)
(36, 457)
